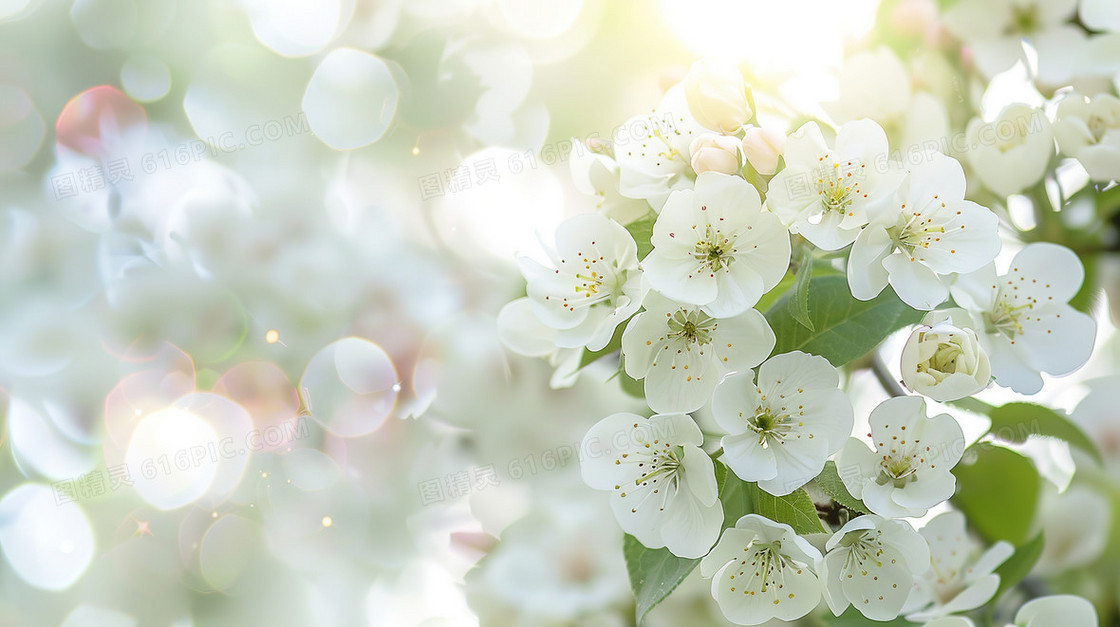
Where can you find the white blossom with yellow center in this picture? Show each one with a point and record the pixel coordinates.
(682, 352)
(781, 429)
(592, 286)
(908, 472)
(871, 564)
(930, 232)
(761, 570)
(662, 484)
(1028, 326)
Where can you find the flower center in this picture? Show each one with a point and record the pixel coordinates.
(943, 361)
(692, 326)
(913, 231)
(771, 428)
(1004, 318)
(897, 470)
(837, 185)
(1024, 19)
(715, 251)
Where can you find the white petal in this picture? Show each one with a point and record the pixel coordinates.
(599, 468)
(726, 201)
(640, 342)
(700, 478)
(677, 228)
(857, 466)
(798, 461)
(914, 282)
(940, 176)
(744, 341)
(866, 275)
(973, 596)
(747, 458)
(1009, 365)
(1045, 273)
(1057, 340)
(681, 381)
(764, 247)
(879, 589)
(805, 146)
(735, 399)
(1060, 609)
(738, 288)
(522, 332)
(976, 291)
(679, 279)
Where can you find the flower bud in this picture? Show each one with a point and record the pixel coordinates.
(716, 153)
(943, 359)
(763, 147)
(717, 96)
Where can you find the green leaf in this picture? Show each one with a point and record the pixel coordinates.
(642, 232)
(654, 573)
(1013, 422)
(742, 497)
(998, 493)
(830, 483)
(844, 328)
(1019, 565)
(798, 304)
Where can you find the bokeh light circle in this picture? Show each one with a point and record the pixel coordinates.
(350, 386)
(145, 77)
(350, 99)
(48, 544)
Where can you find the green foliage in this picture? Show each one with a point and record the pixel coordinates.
(654, 573)
(844, 328)
(998, 493)
(798, 304)
(830, 483)
(1013, 422)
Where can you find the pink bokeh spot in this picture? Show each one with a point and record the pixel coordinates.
(95, 121)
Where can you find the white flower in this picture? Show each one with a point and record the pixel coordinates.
(1100, 15)
(682, 352)
(596, 174)
(781, 431)
(761, 570)
(1088, 129)
(716, 153)
(717, 96)
(714, 246)
(663, 486)
(593, 284)
(763, 147)
(1012, 152)
(1076, 524)
(1028, 327)
(523, 333)
(826, 194)
(873, 85)
(871, 564)
(943, 359)
(931, 231)
(994, 31)
(959, 579)
(908, 472)
(652, 150)
(1060, 609)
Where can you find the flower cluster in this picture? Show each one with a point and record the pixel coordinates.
(702, 290)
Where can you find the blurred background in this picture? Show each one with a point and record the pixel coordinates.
(251, 255)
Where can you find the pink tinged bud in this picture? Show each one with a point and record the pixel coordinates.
(763, 147)
(716, 153)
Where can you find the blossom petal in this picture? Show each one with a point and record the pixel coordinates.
(914, 282)
(866, 274)
(744, 341)
(735, 398)
(748, 459)
(680, 380)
